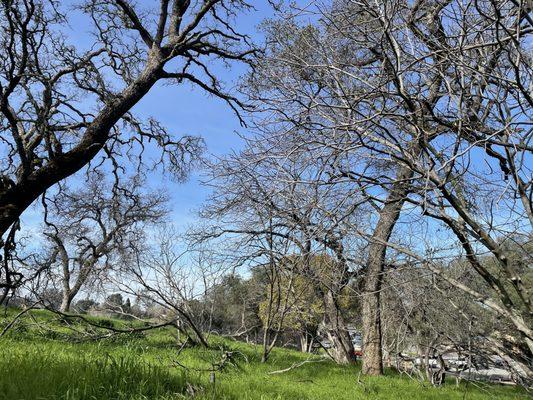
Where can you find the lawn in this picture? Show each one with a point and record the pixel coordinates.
(43, 358)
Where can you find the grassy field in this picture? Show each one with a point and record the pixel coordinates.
(43, 358)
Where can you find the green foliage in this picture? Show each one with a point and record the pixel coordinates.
(232, 305)
(296, 295)
(144, 367)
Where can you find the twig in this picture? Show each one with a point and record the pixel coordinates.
(295, 365)
(20, 314)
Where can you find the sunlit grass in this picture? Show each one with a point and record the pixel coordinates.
(39, 363)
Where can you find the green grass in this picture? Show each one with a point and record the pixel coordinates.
(42, 358)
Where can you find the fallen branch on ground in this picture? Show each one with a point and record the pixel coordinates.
(20, 314)
(295, 365)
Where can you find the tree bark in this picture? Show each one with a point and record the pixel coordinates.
(199, 335)
(65, 302)
(343, 351)
(303, 342)
(388, 216)
(306, 342)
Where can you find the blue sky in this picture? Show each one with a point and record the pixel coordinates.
(189, 110)
(183, 110)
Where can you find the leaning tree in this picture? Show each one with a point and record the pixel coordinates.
(61, 105)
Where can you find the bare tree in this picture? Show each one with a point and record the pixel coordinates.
(308, 100)
(409, 95)
(61, 106)
(165, 272)
(427, 315)
(266, 193)
(90, 227)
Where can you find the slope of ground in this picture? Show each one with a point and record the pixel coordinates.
(44, 357)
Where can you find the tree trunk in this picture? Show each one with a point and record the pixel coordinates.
(388, 216)
(303, 342)
(306, 342)
(199, 335)
(266, 340)
(338, 334)
(66, 294)
(65, 302)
